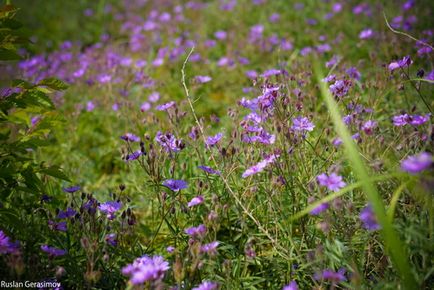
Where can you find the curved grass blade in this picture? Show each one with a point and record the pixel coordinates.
(393, 244)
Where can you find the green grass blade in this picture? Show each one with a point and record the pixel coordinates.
(393, 244)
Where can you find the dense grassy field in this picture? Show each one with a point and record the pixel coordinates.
(250, 144)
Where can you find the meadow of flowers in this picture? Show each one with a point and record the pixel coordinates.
(227, 144)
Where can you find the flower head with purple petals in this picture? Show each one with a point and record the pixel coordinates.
(368, 218)
(333, 181)
(110, 208)
(206, 285)
(175, 184)
(417, 163)
(52, 251)
(145, 269)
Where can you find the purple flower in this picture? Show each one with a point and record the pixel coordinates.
(213, 140)
(369, 126)
(170, 249)
(202, 79)
(111, 239)
(329, 79)
(6, 246)
(206, 285)
(71, 189)
(340, 88)
(271, 72)
(166, 106)
(69, 213)
(320, 208)
(417, 163)
(133, 156)
(210, 249)
(404, 62)
(260, 166)
(209, 169)
(331, 275)
(90, 106)
(417, 120)
(130, 137)
(196, 201)
(146, 269)
(175, 185)
(430, 76)
(109, 208)
(60, 226)
(368, 218)
(154, 97)
(400, 120)
(291, 286)
(196, 232)
(220, 35)
(333, 182)
(354, 73)
(146, 106)
(302, 124)
(366, 33)
(169, 142)
(52, 251)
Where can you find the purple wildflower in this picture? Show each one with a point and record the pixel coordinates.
(146, 106)
(90, 106)
(208, 169)
(404, 62)
(6, 246)
(291, 286)
(202, 79)
(331, 275)
(368, 218)
(52, 251)
(154, 97)
(196, 232)
(260, 166)
(166, 106)
(417, 163)
(169, 142)
(69, 213)
(369, 126)
(210, 249)
(213, 140)
(129, 137)
(206, 285)
(340, 88)
(170, 249)
(333, 182)
(60, 226)
(111, 239)
(196, 201)
(302, 124)
(146, 269)
(71, 189)
(320, 208)
(414, 120)
(354, 73)
(109, 208)
(133, 156)
(366, 33)
(175, 185)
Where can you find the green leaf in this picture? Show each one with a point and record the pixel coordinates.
(8, 54)
(56, 172)
(53, 83)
